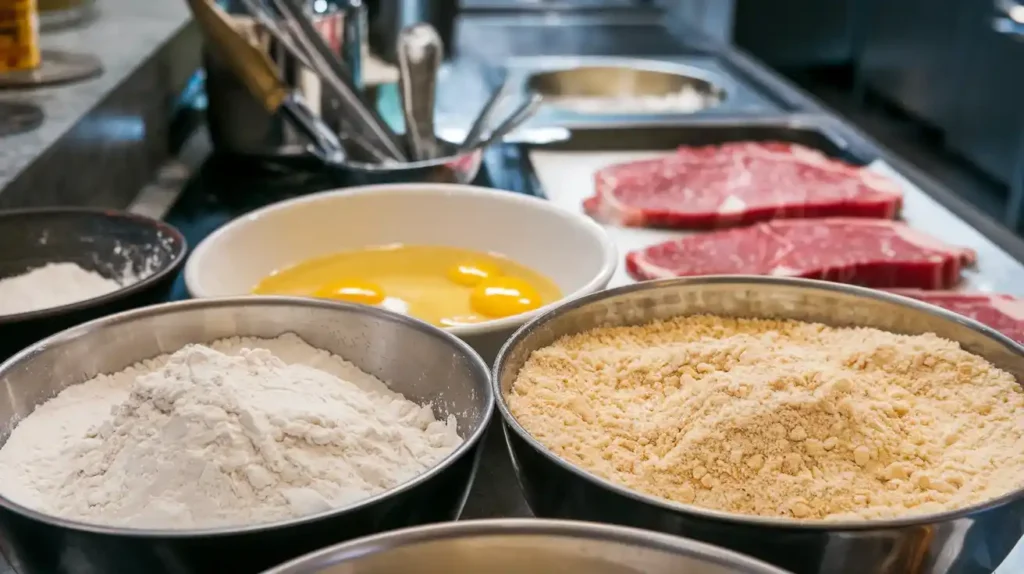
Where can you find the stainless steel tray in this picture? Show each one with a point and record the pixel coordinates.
(740, 97)
(561, 167)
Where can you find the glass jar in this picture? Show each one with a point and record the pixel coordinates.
(19, 36)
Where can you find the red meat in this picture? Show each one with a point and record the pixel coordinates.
(738, 184)
(869, 252)
(1004, 313)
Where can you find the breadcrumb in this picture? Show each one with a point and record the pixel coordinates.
(779, 418)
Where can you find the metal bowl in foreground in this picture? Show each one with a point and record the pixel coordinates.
(523, 547)
(422, 362)
(967, 541)
(616, 89)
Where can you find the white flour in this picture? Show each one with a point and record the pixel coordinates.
(686, 100)
(52, 285)
(246, 432)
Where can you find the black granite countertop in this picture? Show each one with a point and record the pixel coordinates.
(101, 138)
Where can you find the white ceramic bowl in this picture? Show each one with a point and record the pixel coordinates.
(567, 247)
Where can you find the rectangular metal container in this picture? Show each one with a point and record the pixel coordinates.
(656, 135)
(740, 98)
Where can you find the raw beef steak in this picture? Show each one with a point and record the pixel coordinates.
(738, 184)
(1004, 313)
(869, 252)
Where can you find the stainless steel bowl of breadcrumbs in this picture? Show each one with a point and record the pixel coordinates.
(975, 537)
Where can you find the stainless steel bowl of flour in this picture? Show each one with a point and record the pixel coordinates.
(512, 546)
(227, 454)
(975, 538)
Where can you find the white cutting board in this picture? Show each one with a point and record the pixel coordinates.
(567, 178)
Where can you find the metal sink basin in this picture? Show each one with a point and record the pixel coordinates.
(588, 90)
(622, 89)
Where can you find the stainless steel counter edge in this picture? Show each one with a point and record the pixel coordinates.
(103, 139)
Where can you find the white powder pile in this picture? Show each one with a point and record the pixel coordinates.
(245, 431)
(686, 100)
(779, 418)
(52, 285)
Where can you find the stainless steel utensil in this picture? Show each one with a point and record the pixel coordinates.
(355, 33)
(369, 146)
(260, 76)
(424, 363)
(518, 117)
(419, 54)
(454, 166)
(361, 114)
(239, 124)
(283, 37)
(326, 144)
(483, 119)
(513, 546)
(391, 16)
(966, 541)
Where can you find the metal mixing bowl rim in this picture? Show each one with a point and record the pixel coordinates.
(556, 64)
(141, 285)
(477, 365)
(718, 85)
(717, 515)
(597, 233)
(520, 527)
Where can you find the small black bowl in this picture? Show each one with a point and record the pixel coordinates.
(107, 242)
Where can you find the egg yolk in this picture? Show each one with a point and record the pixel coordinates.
(471, 274)
(353, 291)
(503, 297)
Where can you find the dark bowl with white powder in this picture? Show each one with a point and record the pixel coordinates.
(427, 365)
(61, 267)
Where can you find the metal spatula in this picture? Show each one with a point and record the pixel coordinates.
(419, 52)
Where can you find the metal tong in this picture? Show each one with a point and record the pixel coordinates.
(294, 30)
(518, 117)
(260, 76)
(478, 135)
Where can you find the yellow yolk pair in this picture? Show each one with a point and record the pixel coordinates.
(493, 295)
(445, 286)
